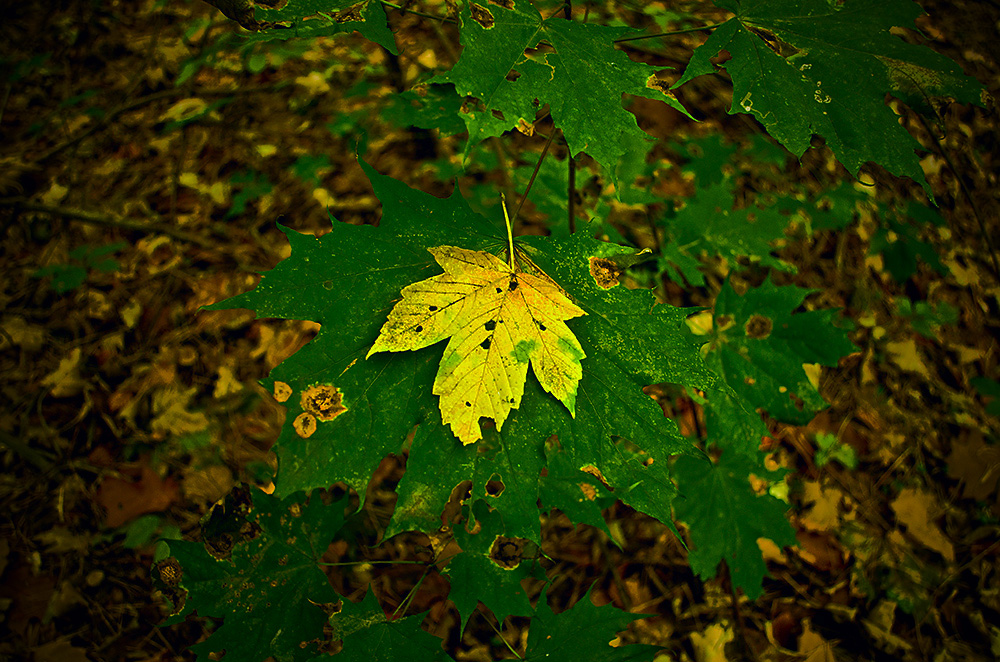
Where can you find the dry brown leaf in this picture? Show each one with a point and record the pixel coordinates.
(65, 381)
(916, 511)
(124, 500)
(60, 650)
(976, 464)
(815, 647)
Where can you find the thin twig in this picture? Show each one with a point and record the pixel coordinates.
(108, 221)
(968, 196)
(534, 173)
(443, 19)
(572, 193)
(668, 34)
(150, 98)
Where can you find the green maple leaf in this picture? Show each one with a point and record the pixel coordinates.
(759, 347)
(582, 79)
(368, 635)
(263, 590)
(347, 413)
(709, 225)
(490, 569)
(805, 67)
(321, 18)
(582, 633)
(726, 517)
(579, 495)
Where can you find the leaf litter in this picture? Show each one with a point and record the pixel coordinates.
(926, 448)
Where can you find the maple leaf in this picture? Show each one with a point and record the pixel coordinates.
(499, 319)
(582, 79)
(803, 67)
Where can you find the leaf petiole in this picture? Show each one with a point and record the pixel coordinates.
(510, 234)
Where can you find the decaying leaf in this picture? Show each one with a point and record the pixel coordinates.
(499, 319)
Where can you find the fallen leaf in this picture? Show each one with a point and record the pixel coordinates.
(124, 500)
(825, 512)
(60, 650)
(710, 645)
(976, 464)
(814, 646)
(172, 416)
(905, 355)
(65, 381)
(916, 510)
(499, 319)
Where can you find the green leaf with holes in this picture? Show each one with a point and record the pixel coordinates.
(322, 18)
(759, 346)
(805, 67)
(368, 634)
(268, 587)
(491, 567)
(346, 412)
(572, 66)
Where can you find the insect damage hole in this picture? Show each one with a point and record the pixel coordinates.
(482, 15)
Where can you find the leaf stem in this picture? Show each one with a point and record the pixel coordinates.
(374, 563)
(500, 634)
(667, 34)
(443, 19)
(531, 182)
(510, 234)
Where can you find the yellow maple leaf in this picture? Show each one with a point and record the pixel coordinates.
(499, 318)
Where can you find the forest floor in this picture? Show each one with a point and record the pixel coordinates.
(146, 156)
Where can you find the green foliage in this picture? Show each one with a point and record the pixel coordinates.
(249, 186)
(268, 586)
(924, 317)
(830, 448)
(582, 80)
(388, 394)
(321, 18)
(805, 67)
(708, 225)
(898, 241)
(368, 634)
(726, 517)
(801, 68)
(83, 260)
(758, 347)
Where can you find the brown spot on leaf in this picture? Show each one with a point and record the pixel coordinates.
(507, 552)
(596, 473)
(350, 14)
(506, 4)
(497, 114)
(605, 272)
(304, 424)
(525, 127)
(589, 491)
(512, 75)
(758, 327)
(655, 83)
(170, 571)
(482, 15)
(282, 391)
(323, 401)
